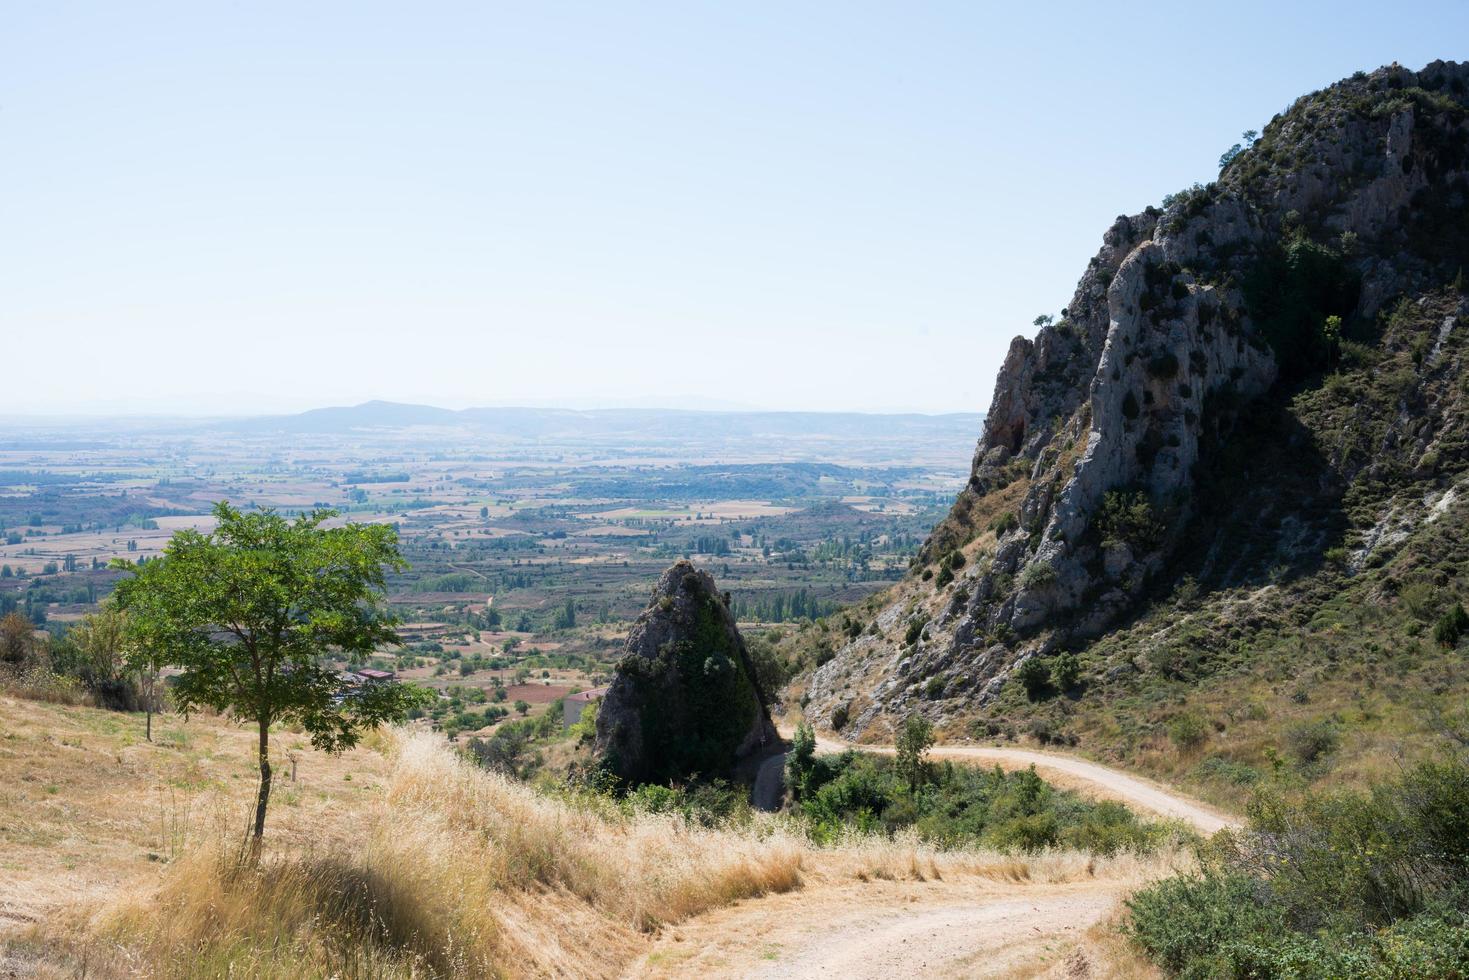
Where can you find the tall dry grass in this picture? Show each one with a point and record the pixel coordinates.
(465, 873)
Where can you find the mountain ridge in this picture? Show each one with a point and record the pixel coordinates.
(1300, 311)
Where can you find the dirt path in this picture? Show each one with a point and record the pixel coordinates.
(1074, 773)
(887, 930)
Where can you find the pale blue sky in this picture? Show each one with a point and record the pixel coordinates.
(268, 206)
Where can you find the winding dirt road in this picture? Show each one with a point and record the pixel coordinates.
(934, 927)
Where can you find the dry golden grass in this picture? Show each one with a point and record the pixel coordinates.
(447, 870)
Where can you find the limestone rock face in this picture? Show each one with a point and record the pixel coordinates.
(1088, 464)
(685, 699)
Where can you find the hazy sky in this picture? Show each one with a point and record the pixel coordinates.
(227, 207)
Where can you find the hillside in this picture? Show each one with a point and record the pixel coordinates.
(1217, 514)
(402, 858)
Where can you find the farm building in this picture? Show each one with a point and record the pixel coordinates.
(573, 704)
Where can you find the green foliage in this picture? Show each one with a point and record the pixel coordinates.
(248, 612)
(702, 676)
(1037, 575)
(1127, 517)
(914, 741)
(1034, 676)
(801, 760)
(839, 716)
(1188, 730)
(1291, 292)
(1005, 522)
(1066, 673)
(1451, 626)
(1372, 884)
(961, 805)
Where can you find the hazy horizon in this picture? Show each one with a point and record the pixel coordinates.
(264, 209)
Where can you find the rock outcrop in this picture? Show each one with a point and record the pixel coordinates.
(1087, 471)
(685, 700)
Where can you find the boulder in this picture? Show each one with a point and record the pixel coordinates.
(685, 699)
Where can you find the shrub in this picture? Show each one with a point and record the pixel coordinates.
(1313, 741)
(1130, 408)
(1034, 676)
(1187, 730)
(1360, 884)
(1163, 366)
(839, 716)
(1005, 523)
(1127, 517)
(1067, 671)
(1451, 626)
(915, 630)
(945, 576)
(1038, 575)
(935, 687)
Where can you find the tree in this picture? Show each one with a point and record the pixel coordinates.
(17, 638)
(103, 657)
(802, 759)
(522, 707)
(248, 612)
(914, 741)
(484, 512)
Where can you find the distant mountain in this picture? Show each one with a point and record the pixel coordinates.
(661, 424)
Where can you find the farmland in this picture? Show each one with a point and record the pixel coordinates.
(532, 540)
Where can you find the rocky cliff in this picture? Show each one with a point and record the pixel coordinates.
(685, 699)
(1102, 447)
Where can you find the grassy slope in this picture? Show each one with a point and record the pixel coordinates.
(117, 858)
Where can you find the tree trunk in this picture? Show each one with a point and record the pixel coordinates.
(150, 721)
(264, 797)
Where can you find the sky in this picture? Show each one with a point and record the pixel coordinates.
(225, 208)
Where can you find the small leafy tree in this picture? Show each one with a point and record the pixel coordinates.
(104, 660)
(247, 613)
(914, 741)
(801, 760)
(522, 707)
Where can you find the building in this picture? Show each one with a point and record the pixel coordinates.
(574, 704)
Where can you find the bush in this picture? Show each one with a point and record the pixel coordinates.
(1358, 884)
(1451, 626)
(954, 806)
(1067, 671)
(1038, 575)
(1127, 517)
(1005, 523)
(1313, 741)
(1187, 730)
(1034, 676)
(839, 717)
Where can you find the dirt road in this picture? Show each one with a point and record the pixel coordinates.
(888, 929)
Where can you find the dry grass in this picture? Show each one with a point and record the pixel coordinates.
(448, 870)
